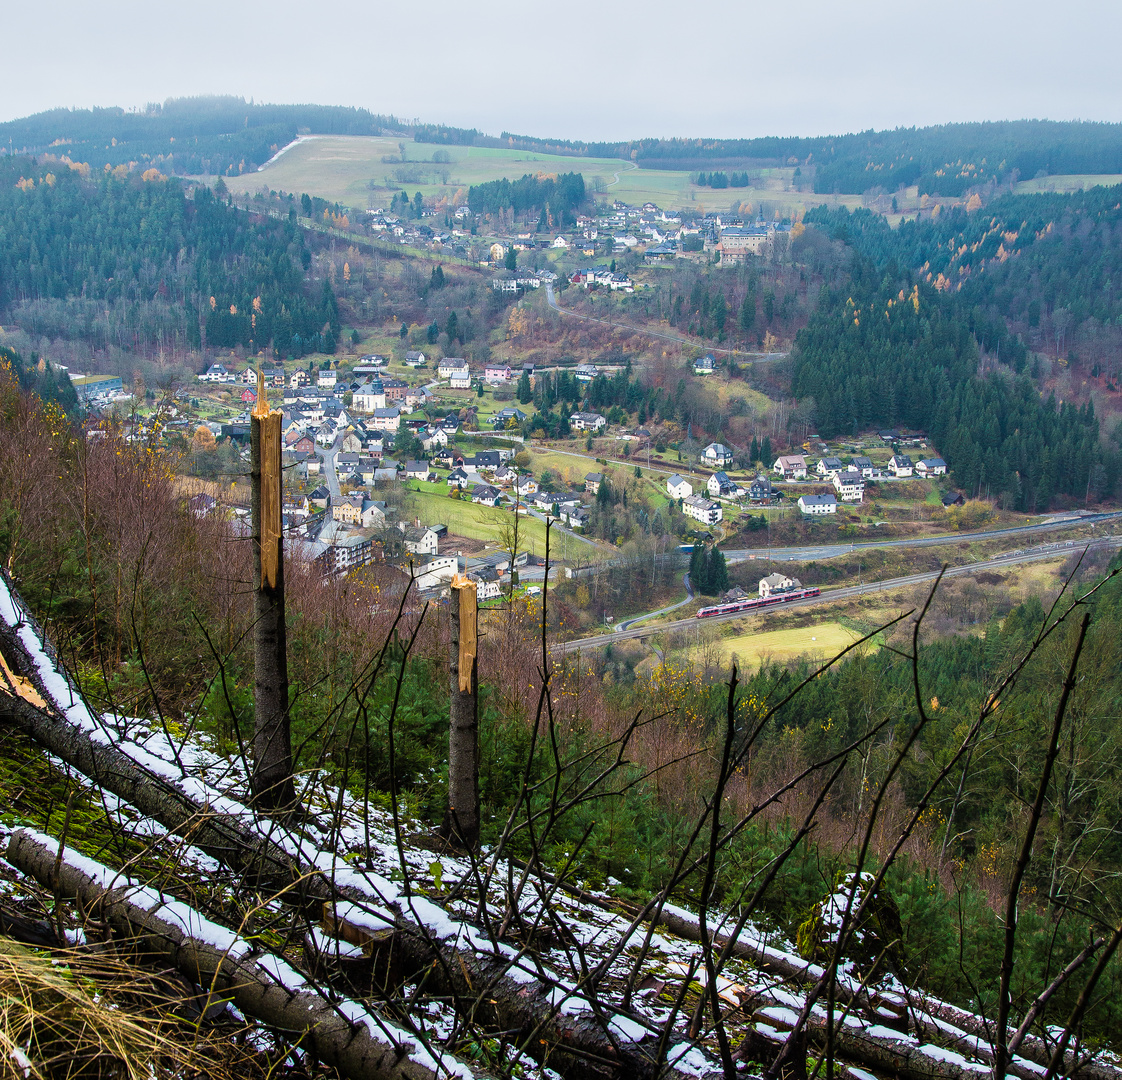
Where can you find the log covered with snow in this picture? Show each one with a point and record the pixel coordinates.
(931, 1021)
(499, 987)
(343, 1033)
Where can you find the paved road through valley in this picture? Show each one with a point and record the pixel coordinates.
(846, 593)
(830, 551)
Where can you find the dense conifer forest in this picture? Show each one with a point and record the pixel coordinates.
(887, 352)
(1045, 268)
(557, 198)
(898, 341)
(187, 136)
(948, 159)
(140, 261)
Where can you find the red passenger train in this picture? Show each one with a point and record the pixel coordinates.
(756, 602)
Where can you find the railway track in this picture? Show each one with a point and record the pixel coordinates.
(1012, 558)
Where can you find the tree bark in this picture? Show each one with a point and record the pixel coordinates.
(461, 826)
(922, 1012)
(273, 788)
(338, 1033)
(577, 1043)
(355, 1047)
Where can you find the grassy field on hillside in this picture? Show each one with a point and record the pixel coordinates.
(468, 519)
(350, 169)
(823, 640)
(1073, 182)
(572, 468)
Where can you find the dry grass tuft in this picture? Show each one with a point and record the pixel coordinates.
(82, 1014)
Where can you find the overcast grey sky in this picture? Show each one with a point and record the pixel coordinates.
(623, 69)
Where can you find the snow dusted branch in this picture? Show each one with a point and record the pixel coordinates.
(497, 984)
(343, 1033)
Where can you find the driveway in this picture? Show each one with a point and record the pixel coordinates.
(330, 475)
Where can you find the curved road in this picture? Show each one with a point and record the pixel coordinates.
(845, 593)
(552, 301)
(631, 167)
(830, 551)
(662, 611)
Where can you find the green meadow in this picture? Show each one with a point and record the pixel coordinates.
(351, 170)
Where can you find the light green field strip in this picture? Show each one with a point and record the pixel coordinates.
(824, 640)
(350, 169)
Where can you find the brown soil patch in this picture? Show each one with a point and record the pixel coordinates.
(464, 545)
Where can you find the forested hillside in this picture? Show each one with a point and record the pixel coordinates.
(224, 135)
(1048, 268)
(892, 351)
(922, 774)
(555, 198)
(40, 379)
(133, 261)
(227, 135)
(945, 160)
(899, 342)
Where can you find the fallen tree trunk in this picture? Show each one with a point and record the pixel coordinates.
(555, 1020)
(577, 1042)
(205, 823)
(344, 1033)
(930, 1018)
(485, 979)
(874, 1046)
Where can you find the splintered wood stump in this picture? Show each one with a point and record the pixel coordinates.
(461, 826)
(273, 788)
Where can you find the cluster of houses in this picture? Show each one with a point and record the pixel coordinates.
(355, 533)
(458, 373)
(615, 280)
(624, 227)
(663, 232)
(341, 533)
(351, 530)
(707, 510)
(849, 479)
(378, 406)
(619, 230)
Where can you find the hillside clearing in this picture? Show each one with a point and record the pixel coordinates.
(821, 640)
(352, 170)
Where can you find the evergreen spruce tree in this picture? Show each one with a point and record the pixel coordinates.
(525, 392)
(699, 577)
(746, 317)
(717, 574)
